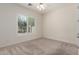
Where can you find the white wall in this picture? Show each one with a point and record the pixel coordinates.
(8, 24)
(77, 24)
(60, 24)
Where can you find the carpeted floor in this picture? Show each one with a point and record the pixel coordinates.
(40, 47)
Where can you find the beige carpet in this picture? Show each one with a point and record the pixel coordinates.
(40, 47)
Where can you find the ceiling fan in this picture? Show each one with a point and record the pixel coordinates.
(29, 4)
(40, 6)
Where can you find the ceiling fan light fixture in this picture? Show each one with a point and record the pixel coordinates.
(41, 6)
(29, 4)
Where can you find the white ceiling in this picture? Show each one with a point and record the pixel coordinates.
(50, 6)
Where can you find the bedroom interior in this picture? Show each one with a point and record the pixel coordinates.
(39, 29)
